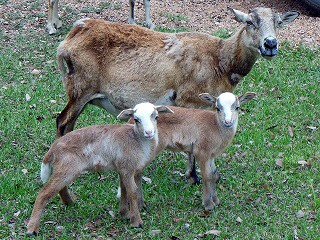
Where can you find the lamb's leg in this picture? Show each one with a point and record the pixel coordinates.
(131, 13)
(209, 188)
(149, 23)
(138, 180)
(59, 179)
(53, 18)
(214, 180)
(123, 206)
(131, 191)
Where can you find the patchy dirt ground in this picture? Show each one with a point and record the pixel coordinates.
(196, 15)
(210, 15)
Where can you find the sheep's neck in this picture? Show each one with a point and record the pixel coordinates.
(236, 58)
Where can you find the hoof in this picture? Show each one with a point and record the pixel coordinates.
(33, 234)
(194, 180)
(217, 177)
(137, 226)
(209, 205)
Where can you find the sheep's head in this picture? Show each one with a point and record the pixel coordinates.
(145, 116)
(227, 105)
(262, 25)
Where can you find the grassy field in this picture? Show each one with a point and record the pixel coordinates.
(270, 185)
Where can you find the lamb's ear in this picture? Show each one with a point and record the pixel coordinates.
(207, 98)
(240, 16)
(163, 109)
(125, 114)
(246, 97)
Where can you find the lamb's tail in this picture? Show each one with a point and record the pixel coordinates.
(46, 167)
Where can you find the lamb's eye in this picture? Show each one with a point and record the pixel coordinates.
(156, 118)
(237, 108)
(218, 109)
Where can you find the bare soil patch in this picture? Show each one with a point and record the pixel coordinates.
(197, 15)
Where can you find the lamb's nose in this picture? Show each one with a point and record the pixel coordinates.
(149, 133)
(227, 122)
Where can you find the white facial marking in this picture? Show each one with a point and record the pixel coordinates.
(143, 112)
(226, 100)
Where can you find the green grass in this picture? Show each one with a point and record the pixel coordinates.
(265, 196)
(175, 18)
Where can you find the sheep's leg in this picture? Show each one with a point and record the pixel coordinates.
(148, 17)
(53, 18)
(56, 183)
(138, 180)
(123, 207)
(69, 115)
(191, 170)
(131, 191)
(131, 13)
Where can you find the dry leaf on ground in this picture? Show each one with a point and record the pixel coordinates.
(239, 220)
(279, 162)
(290, 131)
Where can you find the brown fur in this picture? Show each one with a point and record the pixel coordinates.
(116, 66)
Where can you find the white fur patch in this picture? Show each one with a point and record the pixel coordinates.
(226, 100)
(143, 112)
(236, 77)
(119, 192)
(46, 172)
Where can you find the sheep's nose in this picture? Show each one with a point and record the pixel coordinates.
(270, 42)
(227, 122)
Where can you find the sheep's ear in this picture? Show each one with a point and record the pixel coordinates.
(246, 97)
(207, 98)
(289, 17)
(240, 16)
(125, 114)
(163, 109)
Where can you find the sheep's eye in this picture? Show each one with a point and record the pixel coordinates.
(237, 108)
(156, 118)
(136, 120)
(250, 24)
(218, 109)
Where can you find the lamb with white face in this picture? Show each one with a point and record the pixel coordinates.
(145, 115)
(227, 105)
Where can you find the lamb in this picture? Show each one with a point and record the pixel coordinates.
(203, 134)
(54, 23)
(115, 66)
(126, 149)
